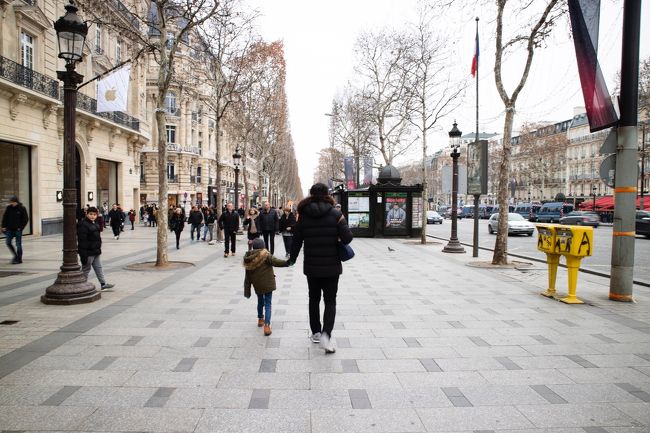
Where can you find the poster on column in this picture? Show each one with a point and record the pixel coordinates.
(358, 203)
(348, 166)
(416, 217)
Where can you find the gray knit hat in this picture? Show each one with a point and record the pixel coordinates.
(258, 244)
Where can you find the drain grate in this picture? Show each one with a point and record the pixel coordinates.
(9, 322)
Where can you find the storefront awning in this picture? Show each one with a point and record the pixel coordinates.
(607, 203)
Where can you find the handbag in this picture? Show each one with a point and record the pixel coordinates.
(345, 252)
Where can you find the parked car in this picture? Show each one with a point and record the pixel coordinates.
(581, 218)
(553, 211)
(517, 225)
(643, 223)
(528, 210)
(433, 217)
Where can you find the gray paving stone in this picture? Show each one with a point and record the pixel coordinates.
(185, 365)
(142, 419)
(92, 396)
(638, 411)
(172, 379)
(268, 366)
(593, 393)
(202, 342)
(470, 364)
(370, 420)
(240, 380)
(604, 375)
(581, 361)
(309, 399)
(636, 392)
(155, 324)
(60, 396)
(43, 417)
(269, 421)
(454, 378)
(203, 397)
(501, 395)
(508, 363)
(353, 380)
(407, 398)
(548, 394)
(456, 397)
(67, 378)
(359, 399)
(133, 341)
(260, 399)
(160, 397)
(575, 415)
(473, 418)
(349, 366)
(525, 377)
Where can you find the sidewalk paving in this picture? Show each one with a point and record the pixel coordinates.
(425, 343)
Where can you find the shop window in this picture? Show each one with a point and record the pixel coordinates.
(15, 176)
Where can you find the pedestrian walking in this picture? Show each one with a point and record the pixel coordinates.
(89, 246)
(259, 263)
(209, 218)
(132, 218)
(229, 223)
(115, 220)
(153, 218)
(251, 223)
(287, 224)
(177, 224)
(269, 223)
(320, 228)
(195, 219)
(14, 221)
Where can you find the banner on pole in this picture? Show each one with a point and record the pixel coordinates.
(113, 91)
(348, 165)
(477, 167)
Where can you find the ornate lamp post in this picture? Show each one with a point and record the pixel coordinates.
(453, 246)
(71, 286)
(593, 195)
(236, 157)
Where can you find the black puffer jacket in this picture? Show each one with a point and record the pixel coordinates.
(268, 220)
(89, 238)
(287, 221)
(320, 226)
(229, 221)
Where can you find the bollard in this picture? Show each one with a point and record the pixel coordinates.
(546, 243)
(573, 242)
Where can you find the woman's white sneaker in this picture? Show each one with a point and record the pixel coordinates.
(315, 338)
(326, 344)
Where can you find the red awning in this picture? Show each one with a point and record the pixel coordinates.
(607, 203)
(602, 204)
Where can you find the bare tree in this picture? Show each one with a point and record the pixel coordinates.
(383, 63)
(435, 94)
(530, 36)
(163, 31)
(330, 166)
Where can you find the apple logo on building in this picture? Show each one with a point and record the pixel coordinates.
(111, 94)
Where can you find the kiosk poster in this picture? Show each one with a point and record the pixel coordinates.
(359, 220)
(358, 203)
(416, 217)
(395, 210)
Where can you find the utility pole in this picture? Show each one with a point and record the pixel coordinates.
(625, 186)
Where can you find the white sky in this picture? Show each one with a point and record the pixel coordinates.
(319, 39)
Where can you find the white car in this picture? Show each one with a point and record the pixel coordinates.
(517, 225)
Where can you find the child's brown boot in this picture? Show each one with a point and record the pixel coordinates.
(267, 330)
(260, 323)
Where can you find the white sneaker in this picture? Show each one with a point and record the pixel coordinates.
(315, 338)
(326, 344)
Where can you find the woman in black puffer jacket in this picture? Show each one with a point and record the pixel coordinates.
(320, 227)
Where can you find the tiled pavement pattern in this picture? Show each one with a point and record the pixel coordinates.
(424, 343)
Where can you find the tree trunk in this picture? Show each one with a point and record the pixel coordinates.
(162, 258)
(423, 236)
(217, 153)
(500, 256)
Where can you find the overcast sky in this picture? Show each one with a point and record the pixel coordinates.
(319, 38)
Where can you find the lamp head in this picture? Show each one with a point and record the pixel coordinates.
(454, 136)
(71, 32)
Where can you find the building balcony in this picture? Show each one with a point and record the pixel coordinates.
(172, 179)
(47, 86)
(175, 147)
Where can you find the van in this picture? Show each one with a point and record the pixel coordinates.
(466, 211)
(552, 212)
(528, 210)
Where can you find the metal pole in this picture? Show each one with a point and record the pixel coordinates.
(641, 204)
(476, 215)
(71, 285)
(625, 188)
(453, 246)
(236, 188)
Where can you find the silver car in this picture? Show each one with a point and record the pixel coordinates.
(517, 225)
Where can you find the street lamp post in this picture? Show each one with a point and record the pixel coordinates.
(236, 157)
(453, 246)
(71, 285)
(593, 195)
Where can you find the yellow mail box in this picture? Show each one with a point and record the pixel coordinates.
(546, 237)
(576, 241)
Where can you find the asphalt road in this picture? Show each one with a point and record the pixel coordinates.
(527, 246)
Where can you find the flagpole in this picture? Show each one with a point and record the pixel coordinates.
(477, 68)
(477, 197)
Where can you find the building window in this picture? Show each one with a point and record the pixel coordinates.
(198, 174)
(118, 51)
(170, 103)
(171, 171)
(142, 178)
(27, 50)
(200, 148)
(98, 39)
(171, 134)
(170, 40)
(16, 178)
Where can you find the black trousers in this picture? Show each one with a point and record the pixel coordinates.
(178, 237)
(229, 240)
(269, 240)
(288, 241)
(328, 286)
(116, 230)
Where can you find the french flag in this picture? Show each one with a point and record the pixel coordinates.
(475, 59)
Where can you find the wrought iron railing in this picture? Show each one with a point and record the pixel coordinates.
(88, 104)
(26, 77)
(126, 13)
(31, 2)
(172, 178)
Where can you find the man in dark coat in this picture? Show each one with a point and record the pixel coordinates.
(320, 227)
(229, 223)
(14, 221)
(195, 219)
(116, 219)
(89, 242)
(270, 225)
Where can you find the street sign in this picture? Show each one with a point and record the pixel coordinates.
(185, 195)
(608, 169)
(611, 143)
